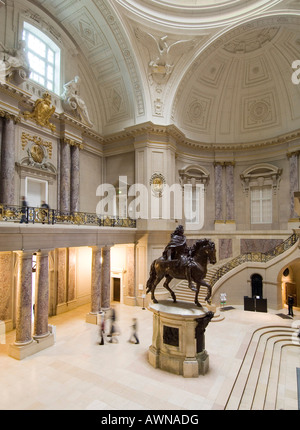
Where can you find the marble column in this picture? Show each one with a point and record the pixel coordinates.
(41, 311)
(229, 191)
(65, 176)
(218, 192)
(8, 162)
(96, 280)
(75, 178)
(24, 298)
(105, 297)
(294, 185)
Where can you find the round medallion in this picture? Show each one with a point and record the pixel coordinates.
(157, 182)
(37, 153)
(259, 111)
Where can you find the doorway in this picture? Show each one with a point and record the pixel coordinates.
(116, 289)
(36, 191)
(256, 285)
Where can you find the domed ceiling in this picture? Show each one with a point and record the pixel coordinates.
(239, 89)
(219, 70)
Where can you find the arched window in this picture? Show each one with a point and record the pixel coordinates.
(44, 58)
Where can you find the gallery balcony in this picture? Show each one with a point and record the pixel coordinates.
(39, 228)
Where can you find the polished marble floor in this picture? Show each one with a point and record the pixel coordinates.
(77, 373)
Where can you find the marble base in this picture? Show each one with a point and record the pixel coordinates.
(93, 318)
(174, 343)
(19, 352)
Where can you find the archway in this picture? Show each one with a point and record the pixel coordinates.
(289, 278)
(257, 285)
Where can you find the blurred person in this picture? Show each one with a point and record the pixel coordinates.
(134, 332)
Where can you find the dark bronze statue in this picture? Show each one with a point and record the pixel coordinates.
(182, 262)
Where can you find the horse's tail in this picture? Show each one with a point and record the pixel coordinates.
(152, 276)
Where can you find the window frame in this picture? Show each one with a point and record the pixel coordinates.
(50, 46)
(261, 200)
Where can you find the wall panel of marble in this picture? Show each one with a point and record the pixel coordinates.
(225, 248)
(6, 270)
(258, 245)
(72, 274)
(61, 275)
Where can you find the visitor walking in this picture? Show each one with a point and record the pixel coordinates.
(134, 332)
(102, 330)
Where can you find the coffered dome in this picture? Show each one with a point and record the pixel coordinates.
(240, 89)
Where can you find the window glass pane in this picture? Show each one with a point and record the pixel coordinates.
(50, 73)
(36, 63)
(50, 85)
(36, 45)
(44, 57)
(261, 205)
(50, 56)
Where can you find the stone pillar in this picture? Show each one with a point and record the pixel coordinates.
(24, 299)
(25, 344)
(8, 162)
(96, 285)
(218, 192)
(105, 297)
(65, 176)
(75, 178)
(41, 310)
(294, 185)
(229, 191)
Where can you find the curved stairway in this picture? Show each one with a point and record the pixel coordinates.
(267, 378)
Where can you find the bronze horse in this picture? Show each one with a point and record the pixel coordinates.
(191, 266)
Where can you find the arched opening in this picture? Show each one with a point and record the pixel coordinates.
(290, 282)
(257, 285)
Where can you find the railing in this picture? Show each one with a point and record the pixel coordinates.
(32, 215)
(256, 257)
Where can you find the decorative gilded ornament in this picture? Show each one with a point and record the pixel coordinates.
(37, 153)
(157, 183)
(42, 112)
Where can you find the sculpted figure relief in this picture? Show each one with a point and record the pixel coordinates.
(73, 102)
(14, 63)
(162, 54)
(182, 262)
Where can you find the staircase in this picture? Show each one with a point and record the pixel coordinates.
(267, 377)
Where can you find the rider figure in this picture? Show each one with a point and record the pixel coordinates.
(177, 245)
(178, 248)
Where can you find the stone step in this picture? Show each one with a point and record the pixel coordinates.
(256, 384)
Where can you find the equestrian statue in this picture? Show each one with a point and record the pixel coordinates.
(182, 262)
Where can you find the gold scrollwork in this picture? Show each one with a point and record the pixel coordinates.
(72, 142)
(9, 116)
(35, 150)
(42, 112)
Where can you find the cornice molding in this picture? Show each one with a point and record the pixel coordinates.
(180, 138)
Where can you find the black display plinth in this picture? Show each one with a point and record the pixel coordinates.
(255, 304)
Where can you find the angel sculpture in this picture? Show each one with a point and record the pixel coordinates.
(162, 55)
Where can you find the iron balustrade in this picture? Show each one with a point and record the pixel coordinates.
(34, 215)
(257, 257)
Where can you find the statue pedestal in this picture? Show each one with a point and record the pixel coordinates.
(178, 344)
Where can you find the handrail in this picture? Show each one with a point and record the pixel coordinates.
(257, 257)
(32, 215)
